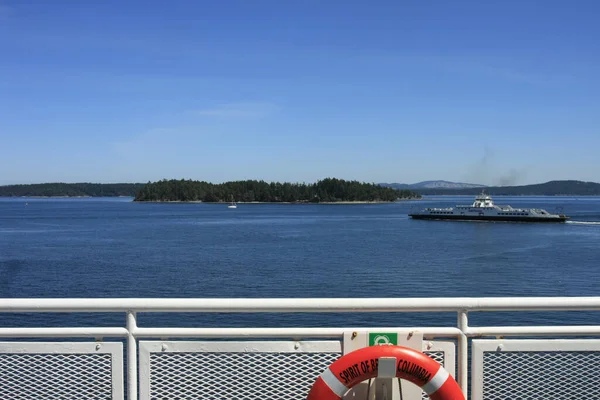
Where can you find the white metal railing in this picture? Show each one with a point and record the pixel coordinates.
(132, 306)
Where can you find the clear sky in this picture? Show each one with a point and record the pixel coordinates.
(492, 92)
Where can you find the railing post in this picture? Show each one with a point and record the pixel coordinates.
(132, 379)
(463, 352)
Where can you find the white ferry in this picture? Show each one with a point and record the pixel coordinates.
(484, 209)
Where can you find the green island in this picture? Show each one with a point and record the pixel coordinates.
(330, 190)
(71, 190)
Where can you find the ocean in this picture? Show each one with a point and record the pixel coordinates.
(113, 247)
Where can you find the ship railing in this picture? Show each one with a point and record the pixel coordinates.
(533, 361)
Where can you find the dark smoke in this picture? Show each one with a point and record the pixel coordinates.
(484, 172)
(479, 173)
(513, 177)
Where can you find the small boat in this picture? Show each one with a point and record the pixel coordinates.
(232, 204)
(484, 209)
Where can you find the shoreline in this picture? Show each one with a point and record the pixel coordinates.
(278, 202)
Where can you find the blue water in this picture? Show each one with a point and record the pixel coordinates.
(117, 248)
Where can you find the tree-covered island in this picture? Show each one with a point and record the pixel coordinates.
(59, 189)
(328, 190)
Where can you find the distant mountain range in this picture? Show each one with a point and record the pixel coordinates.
(433, 185)
(552, 188)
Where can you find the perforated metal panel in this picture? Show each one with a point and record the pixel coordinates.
(233, 370)
(442, 352)
(39, 371)
(244, 370)
(540, 369)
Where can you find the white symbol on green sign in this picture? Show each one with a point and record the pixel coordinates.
(382, 338)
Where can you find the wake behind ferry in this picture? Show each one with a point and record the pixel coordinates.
(484, 209)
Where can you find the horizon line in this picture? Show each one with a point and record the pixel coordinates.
(300, 182)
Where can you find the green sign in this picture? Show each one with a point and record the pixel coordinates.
(379, 338)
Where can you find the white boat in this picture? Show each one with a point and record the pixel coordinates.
(484, 209)
(232, 204)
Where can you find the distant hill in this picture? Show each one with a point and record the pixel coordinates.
(552, 188)
(71, 190)
(432, 185)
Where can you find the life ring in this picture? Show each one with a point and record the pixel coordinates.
(385, 361)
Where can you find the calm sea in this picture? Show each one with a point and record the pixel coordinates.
(117, 248)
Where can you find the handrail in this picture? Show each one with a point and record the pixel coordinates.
(293, 305)
(462, 306)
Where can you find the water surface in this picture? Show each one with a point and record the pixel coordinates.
(117, 248)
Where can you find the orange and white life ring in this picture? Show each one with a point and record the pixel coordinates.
(385, 362)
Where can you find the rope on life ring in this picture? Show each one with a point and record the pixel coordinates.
(385, 362)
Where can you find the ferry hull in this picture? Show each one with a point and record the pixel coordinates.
(499, 218)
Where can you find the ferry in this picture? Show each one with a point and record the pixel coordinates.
(484, 209)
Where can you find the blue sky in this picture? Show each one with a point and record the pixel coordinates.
(492, 92)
